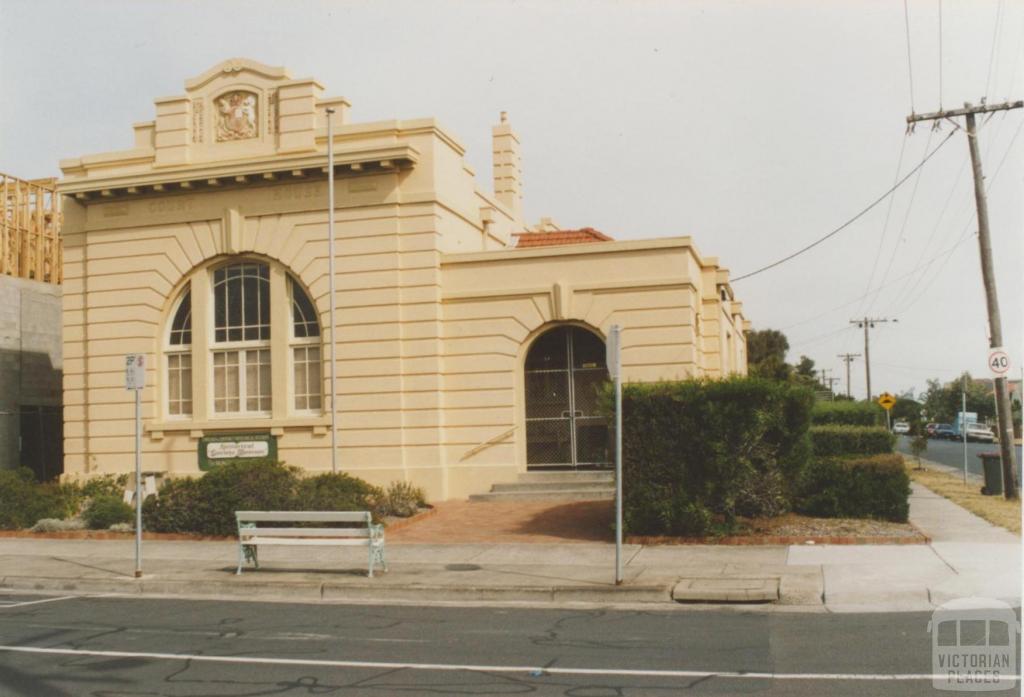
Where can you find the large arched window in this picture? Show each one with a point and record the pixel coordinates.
(241, 338)
(241, 346)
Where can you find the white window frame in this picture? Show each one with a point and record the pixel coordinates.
(171, 350)
(242, 348)
(295, 342)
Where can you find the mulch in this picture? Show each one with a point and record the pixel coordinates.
(553, 522)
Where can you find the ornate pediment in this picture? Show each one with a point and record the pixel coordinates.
(237, 115)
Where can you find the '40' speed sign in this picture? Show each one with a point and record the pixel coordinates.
(999, 362)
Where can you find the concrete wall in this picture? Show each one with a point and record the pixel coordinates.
(30, 356)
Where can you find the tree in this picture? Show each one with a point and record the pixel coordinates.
(766, 354)
(943, 402)
(906, 409)
(805, 374)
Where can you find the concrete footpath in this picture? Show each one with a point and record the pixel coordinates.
(967, 556)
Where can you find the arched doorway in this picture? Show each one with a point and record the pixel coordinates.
(564, 370)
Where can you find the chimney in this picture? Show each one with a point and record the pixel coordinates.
(507, 184)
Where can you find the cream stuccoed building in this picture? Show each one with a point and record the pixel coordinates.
(470, 346)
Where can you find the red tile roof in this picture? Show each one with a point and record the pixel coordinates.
(548, 239)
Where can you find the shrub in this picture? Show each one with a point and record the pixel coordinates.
(207, 505)
(847, 413)
(402, 499)
(105, 485)
(339, 492)
(851, 440)
(863, 487)
(178, 508)
(23, 501)
(691, 448)
(58, 525)
(106, 510)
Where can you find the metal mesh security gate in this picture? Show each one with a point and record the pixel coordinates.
(564, 429)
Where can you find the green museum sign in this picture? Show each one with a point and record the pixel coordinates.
(235, 447)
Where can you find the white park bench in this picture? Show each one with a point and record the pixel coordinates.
(360, 530)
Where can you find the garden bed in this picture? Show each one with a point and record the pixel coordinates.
(794, 529)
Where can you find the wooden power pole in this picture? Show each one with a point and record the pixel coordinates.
(868, 323)
(995, 325)
(848, 359)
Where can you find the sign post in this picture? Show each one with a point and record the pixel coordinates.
(614, 359)
(887, 401)
(135, 380)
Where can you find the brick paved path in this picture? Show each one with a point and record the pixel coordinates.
(512, 521)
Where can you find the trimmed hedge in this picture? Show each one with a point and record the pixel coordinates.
(863, 487)
(834, 440)
(698, 453)
(207, 505)
(847, 413)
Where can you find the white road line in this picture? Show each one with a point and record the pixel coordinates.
(535, 670)
(37, 602)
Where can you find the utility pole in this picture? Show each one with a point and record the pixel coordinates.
(848, 359)
(831, 381)
(869, 323)
(995, 326)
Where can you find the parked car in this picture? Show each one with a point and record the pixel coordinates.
(980, 433)
(930, 429)
(945, 431)
(901, 428)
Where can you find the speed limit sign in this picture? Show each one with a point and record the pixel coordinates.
(998, 362)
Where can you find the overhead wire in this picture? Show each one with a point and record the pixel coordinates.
(888, 213)
(910, 64)
(906, 218)
(852, 220)
(995, 43)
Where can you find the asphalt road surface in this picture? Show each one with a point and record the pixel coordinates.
(106, 646)
(951, 453)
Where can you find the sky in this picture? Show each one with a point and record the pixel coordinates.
(754, 127)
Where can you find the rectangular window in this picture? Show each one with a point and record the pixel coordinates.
(242, 381)
(257, 380)
(306, 361)
(179, 384)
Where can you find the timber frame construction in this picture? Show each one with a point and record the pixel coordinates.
(30, 222)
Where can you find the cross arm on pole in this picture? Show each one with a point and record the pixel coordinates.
(968, 109)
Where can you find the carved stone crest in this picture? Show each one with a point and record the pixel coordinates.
(236, 116)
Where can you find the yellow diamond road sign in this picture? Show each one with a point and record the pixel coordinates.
(886, 401)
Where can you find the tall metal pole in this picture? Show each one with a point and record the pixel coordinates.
(138, 483)
(330, 272)
(994, 322)
(963, 419)
(618, 455)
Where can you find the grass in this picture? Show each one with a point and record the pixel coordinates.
(995, 509)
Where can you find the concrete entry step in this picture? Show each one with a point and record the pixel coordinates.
(567, 476)
(552, 486)
(727, 590)
(546, 494)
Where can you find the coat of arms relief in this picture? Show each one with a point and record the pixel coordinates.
(236, 116)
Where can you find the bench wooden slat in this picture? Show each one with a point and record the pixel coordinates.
(302, 516)
(301, 541)
(305, 532)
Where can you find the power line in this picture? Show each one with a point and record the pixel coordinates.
(940, 54)
(851, 220)
(992, 52)
(910, 64)
(888, 213)
(906, 219)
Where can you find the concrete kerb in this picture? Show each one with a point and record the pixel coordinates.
(649, 593)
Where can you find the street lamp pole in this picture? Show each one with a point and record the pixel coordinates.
(330, 273)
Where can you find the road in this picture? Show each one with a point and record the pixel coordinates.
(119, 646)
(951, 453)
